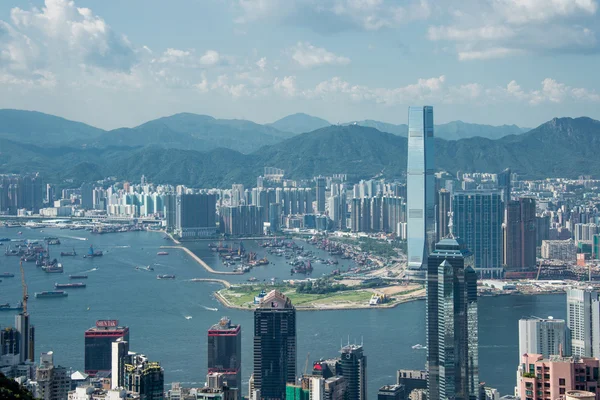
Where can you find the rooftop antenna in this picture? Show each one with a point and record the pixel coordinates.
(450, 225)
(348, 340)
(362, 340)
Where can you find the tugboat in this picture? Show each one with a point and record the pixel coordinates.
(91, 253)
(165, 276)
(162, 253)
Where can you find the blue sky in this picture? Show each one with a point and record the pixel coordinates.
(121, 62)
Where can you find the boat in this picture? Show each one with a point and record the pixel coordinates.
(68, 253)
(51, 293)
(7, 275)
(165, 276)
(149, 268)
(7, 307)
(75, 285)
(162, 253)
(53, 268)
(52, 240)
(93, 253)
(78, 276)
(419, 347)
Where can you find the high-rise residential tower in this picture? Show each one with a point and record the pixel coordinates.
(274, 346)
(321, 184)
(420, 202)
(452, 344)
(225, 352)
(583, 320)
(545, 336)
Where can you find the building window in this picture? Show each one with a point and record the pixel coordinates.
(562, 391)
(561, 381)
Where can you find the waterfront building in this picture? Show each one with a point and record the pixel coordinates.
(420, 202)
(353, 365)
(320, 191)
(196, 215)
(242, 220)
(545, 336)
(274, 345)
(478, 222)
(274, 217)
(170, 211)
(53, 382)
(452, 344)
(583, 321)
(26, 337)
(20, 192)
(391, 392)
(564, 250)
(98, 345)
(225, 352)
(540, 377)
(520, 235)
(355, 214)
(144, 377)
(443, 208)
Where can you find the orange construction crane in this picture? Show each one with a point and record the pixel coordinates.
(25, 295)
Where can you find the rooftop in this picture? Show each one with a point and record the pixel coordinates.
(276, 299)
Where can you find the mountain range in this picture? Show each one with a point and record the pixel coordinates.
(564, 147)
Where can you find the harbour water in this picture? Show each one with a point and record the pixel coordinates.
(158, 311)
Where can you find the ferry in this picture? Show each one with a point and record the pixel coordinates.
(53, 268)
(78, 276)
(7, 307)
(75, 285)
(419, 347)
(162, 253)
(7, 275)
(51, 293)
(165, 276)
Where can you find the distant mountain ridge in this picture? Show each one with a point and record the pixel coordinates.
(299, 123)
(562, 147)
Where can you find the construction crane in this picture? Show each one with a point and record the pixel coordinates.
(539, 271)
(306, 363)
(24, 284)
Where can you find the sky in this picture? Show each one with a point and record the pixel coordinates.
(113, 63)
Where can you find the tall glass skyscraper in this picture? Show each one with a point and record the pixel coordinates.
(452, 343)
(420, 202)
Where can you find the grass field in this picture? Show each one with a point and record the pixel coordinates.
(243, 296)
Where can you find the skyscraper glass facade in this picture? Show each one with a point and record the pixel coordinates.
(420, 201)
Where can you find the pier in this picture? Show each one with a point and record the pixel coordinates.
(201, 261)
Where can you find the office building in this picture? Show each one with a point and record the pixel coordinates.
(355, 214)
(53, 381)
(26, 337)
(320, 191)
(452, 345)
(542, 229)
(170, 211)
(196, 215)
(584, 232)
(119, 353)
(443, 210)
(583, 321)
(225, 352)
(412, 380)
(208, 393)
(420, 202)
(391, 392)
(520, 235)
(545, 336)
(353, 365)
(144, 377)
(98, 345)
(540, 378)
(274, 345)
(477, 221)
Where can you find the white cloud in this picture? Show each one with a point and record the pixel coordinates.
(211, 57)
(334, 15)
(502, 28)
(551, 91)
(285, 85)
(262, 63)
(308, 56)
